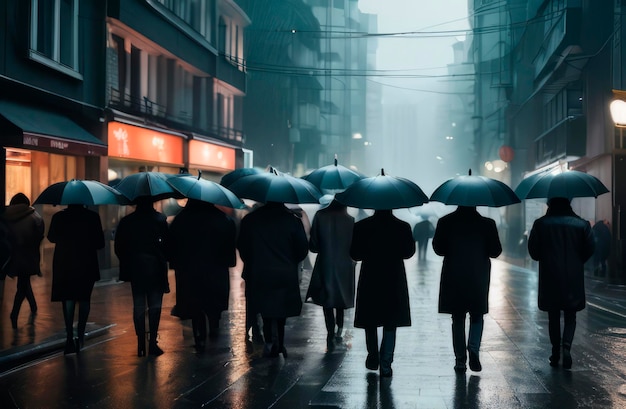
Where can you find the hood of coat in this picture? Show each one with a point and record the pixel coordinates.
(17, 211)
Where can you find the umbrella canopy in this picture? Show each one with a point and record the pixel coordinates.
(333, 178)
(274, 187)
(568, 184)
(147, 184)
(229, 178)
(468, 190)
(205, 190)
(83, 192)
(382, 192)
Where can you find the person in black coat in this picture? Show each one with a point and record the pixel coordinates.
(203, 248)
(141, 244)
(422, 232)
(27, 231)
(78, 235)
(467, 241)
(382, 242)
(272, 242)
(561, 242)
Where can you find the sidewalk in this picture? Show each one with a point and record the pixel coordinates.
(46, 336)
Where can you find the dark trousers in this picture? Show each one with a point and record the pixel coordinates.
(69, 308)
(474, 337)
(198, 324)
(24, 291)
(554, 328)
(274, 331)
(332, 317)
(151, 299)
(387, 345)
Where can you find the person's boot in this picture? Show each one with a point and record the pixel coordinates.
(459, 347)
(141, 344)
(567, 357)
(371, 341)
(153, 348)
(473, 347)
(556, 356)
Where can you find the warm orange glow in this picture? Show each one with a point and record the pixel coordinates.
(208, 155)
(134, 142)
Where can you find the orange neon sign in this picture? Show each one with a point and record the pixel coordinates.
(204, 154)
(134, 142)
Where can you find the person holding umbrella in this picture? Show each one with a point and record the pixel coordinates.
(141, 244)
(561, 242)
(77, 234)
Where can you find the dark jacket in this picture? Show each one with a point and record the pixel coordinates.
(141, 244)
(332, 281)
(202, 249)
(561, 242)
(467, 241)
(77, 233)
(382, 242)
(272, 242)
(27, 232)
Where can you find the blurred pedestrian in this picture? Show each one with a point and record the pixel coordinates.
(78, 235)
(602, 234)
(382, 242)
(467, 241)
(422, 232)
(332, 280)
(26, 232)
(203, 248)
(272, 242)
(561, 242)
(141, 244)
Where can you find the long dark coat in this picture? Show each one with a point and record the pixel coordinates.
(203, 248)
(467, 241)
(78, 235)
(27, 232)
(272, 242)
(141, 245)
(382, 242)
(332, 281)
(561, 242)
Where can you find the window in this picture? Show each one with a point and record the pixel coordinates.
(54, 34)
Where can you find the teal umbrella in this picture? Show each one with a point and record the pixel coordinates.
(232, 176)
(468, 190)
(274, 186)
(205, 190)
(568, 184)
(333, 178)
(147, 184)
(83, 192)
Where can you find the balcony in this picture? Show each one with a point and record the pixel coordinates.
(229, 72)
(566, 139)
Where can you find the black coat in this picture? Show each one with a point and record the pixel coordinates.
(26, 232)
(78, 235)
(382, 242)
(203, 248)
(141, 245)
(272, 242)
(467, 241)
(561, 243)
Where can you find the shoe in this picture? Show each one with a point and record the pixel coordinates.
(386, 372)
(78, 345)
(372, 362)
(153, 349)
(70, 347)
(141, 346)
(554, 358)
(567, 359)
(460, 366)
(13, 320)
(339, 334)
(330, 343)
(474, 362)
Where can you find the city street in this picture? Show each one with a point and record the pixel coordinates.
(232, 373)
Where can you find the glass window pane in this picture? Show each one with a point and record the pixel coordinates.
(45, 27)
(66, 31)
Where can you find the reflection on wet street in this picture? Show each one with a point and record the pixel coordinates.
(232, 373)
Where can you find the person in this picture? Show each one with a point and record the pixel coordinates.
(78, 235)
(561, 242)
(602, 234)
(141, 245)
(422, 232)
(26, 232)
(332, 280)
(467, 241)
(381, 242)
(203, 248)
(272, 242)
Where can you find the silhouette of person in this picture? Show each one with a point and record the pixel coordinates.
(272, 242)
(381, 242)
(602, 234)
(26, 232)
(141, 244)
(332, 281)
(422, 232)
(203, 248)
(467, 241)
(78, 235)
(561, 242)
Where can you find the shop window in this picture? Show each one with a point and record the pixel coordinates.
(54, 35)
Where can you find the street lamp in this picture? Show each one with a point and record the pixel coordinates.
(618, 114)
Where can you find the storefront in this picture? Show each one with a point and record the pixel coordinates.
(212, 158)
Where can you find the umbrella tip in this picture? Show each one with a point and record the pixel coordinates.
(382, 172)
(335, 159)
(469, 172)
(199, 173)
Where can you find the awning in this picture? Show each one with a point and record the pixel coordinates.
(35, 128)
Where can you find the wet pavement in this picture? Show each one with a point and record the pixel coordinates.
(232, 373)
